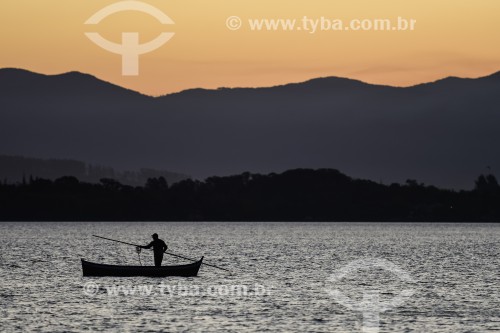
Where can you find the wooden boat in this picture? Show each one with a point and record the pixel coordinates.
(93, 269)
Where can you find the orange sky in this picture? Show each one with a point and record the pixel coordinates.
(459, 37)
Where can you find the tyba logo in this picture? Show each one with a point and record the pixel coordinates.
(130, 49)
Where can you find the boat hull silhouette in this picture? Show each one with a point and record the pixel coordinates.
(95, 269)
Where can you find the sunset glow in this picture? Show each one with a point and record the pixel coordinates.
(459, 38)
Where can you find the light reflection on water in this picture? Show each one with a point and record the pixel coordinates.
(455, 268)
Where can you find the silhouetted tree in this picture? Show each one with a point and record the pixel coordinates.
(487, 184)
(111, 184)
(492, 182)
(156, 184)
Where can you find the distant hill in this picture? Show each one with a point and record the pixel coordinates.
(16, 169)
(443, 133)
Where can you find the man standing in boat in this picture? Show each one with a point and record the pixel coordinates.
(159, 247)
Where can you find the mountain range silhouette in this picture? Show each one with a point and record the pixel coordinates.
(443, 133)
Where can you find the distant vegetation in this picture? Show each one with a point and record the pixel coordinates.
(295, 195)
(15, 168)
(379, 132)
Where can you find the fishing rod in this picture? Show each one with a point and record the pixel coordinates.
(172, 254)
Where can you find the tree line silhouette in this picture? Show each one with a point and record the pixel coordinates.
(294, 195)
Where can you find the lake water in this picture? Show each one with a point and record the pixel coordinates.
(288, 277)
